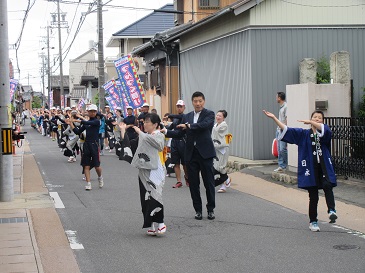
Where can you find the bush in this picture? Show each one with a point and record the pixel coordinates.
(323, 70)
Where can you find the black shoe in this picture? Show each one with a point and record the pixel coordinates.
(198, 216)
(211, 215)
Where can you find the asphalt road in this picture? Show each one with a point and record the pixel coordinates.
(249, 234)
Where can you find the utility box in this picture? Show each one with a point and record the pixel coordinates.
(321, 104)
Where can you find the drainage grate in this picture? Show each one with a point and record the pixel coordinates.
(13, 220)
(346, 247)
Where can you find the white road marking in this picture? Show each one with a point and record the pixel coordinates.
(74, 242)
(57, 200)
(352, 232)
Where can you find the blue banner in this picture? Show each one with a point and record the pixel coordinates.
(130, 82)
(111, 88)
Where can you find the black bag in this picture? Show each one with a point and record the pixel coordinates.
(68, 153)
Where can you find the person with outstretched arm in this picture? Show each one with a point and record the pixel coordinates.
(315, 169)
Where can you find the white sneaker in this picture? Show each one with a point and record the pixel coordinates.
(279, 170)
(88, 186)
(101, 181)
(71, 159)
(74, 159)
(106, 148)
(313, 226)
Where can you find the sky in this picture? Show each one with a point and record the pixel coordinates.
(117, 15)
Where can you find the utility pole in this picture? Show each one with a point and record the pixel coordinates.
(42, 55)
(48, 69)
(101, 80)
(6, 160)
(60, 24)
(60, 54)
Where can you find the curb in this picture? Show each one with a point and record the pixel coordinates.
(34, 243)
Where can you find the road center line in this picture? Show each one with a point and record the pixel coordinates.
(57, 200)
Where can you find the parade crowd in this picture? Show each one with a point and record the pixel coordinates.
(197, 141)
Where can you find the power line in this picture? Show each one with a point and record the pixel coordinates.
(73, 20)
(66, 51)
(17, 43)
(131, 8)
(320, 6)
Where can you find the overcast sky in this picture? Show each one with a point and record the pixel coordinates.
(34, 32)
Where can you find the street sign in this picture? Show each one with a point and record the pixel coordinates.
(6, 141)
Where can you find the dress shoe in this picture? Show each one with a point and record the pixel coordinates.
(211, 215)
(198, 216)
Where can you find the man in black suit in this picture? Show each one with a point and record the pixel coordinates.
(199, 152)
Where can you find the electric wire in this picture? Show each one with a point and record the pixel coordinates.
(131, 8)
(322, 6)
(18, 41)
(72, 23)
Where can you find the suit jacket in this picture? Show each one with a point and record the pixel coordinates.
(199, 134)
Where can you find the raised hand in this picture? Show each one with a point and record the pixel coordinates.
(268, 114)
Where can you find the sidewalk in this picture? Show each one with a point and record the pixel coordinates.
(32, 238)
(258, 179)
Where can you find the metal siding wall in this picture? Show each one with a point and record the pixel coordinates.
(276, 54)
(222, 71)
(242, 73)
(308, 12)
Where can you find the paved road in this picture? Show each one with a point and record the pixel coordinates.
(249, 234)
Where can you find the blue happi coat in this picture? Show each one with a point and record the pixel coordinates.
(301, 137)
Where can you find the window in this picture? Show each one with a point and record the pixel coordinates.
(121, 47)
(208, 4)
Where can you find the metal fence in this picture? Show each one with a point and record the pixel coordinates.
(348, 146)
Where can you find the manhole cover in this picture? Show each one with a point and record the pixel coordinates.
(346, 247)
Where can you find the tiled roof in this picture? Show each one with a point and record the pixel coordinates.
(55, 81)
(91, 69)
(150, 24)
(78, 91)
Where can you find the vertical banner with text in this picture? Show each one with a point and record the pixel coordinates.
(111, 88)
(62, 101)
(112, 103)
(51, 98)
(13, 86)
(130, 82)
(81, 104)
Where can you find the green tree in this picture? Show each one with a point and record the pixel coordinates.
(37, 102)
(96, 100)
(323, 70)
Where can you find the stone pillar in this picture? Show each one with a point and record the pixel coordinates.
(340, 67)
(308, 70)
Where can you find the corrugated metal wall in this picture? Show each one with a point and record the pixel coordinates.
(222, 71)
(276, 54)
(242, 73)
